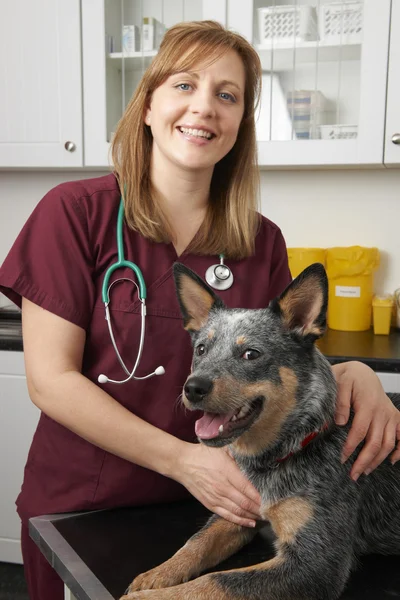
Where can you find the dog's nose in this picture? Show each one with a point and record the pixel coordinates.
(197, 388)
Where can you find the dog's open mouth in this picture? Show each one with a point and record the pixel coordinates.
(215, 425)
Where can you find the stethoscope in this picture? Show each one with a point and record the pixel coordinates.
(218, 276)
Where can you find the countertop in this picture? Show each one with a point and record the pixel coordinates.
(10, 329)
(97, 554)
(11, 344)
(380, 352)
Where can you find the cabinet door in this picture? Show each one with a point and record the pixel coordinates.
(324, 79)
(18, 420)
(120, 38)
(392, 138)
(40, 84)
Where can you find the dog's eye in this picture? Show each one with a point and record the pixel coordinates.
(200, 349)
(251, 354)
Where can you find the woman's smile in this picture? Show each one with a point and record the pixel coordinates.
(196, 135)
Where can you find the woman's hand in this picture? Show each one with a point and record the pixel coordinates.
(212, 476)
(375, 417)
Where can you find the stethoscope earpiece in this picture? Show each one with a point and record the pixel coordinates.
(220, 276)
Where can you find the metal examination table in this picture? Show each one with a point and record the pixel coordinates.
(97, 554)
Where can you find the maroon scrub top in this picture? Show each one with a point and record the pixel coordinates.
(58, 262)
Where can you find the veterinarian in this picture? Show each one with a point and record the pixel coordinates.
(184, 157)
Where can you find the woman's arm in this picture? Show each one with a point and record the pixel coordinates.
(376, 419)
(53, 351)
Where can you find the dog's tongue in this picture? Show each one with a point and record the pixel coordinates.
(208, 426)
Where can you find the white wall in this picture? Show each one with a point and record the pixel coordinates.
(313, 208)
(339, 208)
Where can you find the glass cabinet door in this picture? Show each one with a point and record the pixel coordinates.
(311, 69)
(325, 65)
(324, 79)
(133, 33)
(119, 39)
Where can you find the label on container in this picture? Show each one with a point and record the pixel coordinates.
(348, 291)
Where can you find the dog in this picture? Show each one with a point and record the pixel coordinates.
(268, 393)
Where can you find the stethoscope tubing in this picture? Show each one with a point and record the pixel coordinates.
(212, 278)
(140, 351)
(122, 262)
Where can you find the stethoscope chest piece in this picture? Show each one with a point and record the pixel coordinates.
(219, 276)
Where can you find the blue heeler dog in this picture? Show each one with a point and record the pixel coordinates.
(268, 392)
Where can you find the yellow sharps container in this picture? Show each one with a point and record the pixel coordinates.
(350, 272)
(382, 308)
(300, 258)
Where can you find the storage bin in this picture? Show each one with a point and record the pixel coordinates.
(311, 99)
(382, 307)
(300, 258)
(350, 272)
(307, 110)
(287, 24)
(341, 22)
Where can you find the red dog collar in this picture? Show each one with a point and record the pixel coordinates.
(304, 443)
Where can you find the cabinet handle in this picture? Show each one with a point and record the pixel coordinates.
(396, 138)
(71, 147)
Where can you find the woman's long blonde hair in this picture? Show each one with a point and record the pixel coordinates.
(231, 221)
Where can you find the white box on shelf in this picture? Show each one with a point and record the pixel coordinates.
(341, 22)
(130, 39)
(287, 24)
(153, 32)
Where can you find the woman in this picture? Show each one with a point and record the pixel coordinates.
(185, 162)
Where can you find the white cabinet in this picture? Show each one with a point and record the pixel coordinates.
(40, 84)
(324, 79)
(325, 67)
(392, 138)
(330, 93)
(18, 420)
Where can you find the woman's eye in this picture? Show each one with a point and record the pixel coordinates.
(226, 96)
(200, 350)
(251, 354)
(183, 86)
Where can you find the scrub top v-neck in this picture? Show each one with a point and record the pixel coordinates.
(58, 262)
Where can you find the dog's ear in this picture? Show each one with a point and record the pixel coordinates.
(196, 298)
(303, 304)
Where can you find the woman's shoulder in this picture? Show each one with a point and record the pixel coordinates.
(269, 234)
(86, 188)
(104, 190)
(267, 226)
(270, 241)
(90, 200)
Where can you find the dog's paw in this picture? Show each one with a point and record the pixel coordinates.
(155, 579)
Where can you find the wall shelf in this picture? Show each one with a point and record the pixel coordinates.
(132, 61)
(282, 58)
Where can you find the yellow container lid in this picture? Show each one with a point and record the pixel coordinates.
(351, 261)
(386, 300)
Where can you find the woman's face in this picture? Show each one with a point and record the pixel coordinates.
(195, 116)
